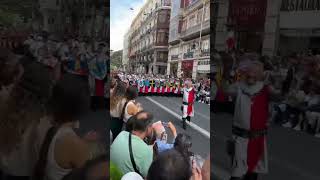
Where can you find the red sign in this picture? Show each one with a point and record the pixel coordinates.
(247, 13)
(187, 65)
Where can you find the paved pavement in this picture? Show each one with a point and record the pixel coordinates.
(292, 154)
(159, 106)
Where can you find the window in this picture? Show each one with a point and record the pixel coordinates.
(162, 17)
(199, 15)
(192, 21)
(207, 13)
(205, 44)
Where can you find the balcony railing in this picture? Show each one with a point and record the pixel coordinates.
(188, 55)
(195, 29)
(174, 57)
(205, 52)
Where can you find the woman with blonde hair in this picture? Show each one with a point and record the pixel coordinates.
(118, 103)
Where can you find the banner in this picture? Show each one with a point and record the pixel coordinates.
(247, 13)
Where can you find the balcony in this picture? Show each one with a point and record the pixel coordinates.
(164, 5)
(195, 30)
(205, 52)
(188, 55)
(174, 57)
(191, 7)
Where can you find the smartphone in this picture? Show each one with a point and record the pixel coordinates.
(165, 124)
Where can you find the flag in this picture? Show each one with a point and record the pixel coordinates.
(151, 89)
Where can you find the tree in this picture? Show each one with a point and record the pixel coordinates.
(116, 59)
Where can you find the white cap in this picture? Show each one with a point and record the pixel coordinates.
(131, 176)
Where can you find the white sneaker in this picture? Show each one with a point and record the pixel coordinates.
(287, 125)
(317, 135)
(297, 128)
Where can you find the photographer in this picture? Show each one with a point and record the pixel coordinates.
(129, 152)
(161, 141)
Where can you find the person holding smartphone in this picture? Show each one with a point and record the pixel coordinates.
(161, 141)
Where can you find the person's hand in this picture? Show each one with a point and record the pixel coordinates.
(173, 129)
(91, 136)
(196, 172)
(171, 126)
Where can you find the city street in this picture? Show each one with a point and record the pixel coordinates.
(168, 109)
(292, 154)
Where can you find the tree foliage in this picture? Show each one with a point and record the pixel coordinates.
(11, 11)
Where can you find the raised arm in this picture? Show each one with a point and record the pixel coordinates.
(230, 89)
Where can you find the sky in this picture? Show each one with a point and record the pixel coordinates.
(120, 20)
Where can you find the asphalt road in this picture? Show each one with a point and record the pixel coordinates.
(200, 142)
(292, 154)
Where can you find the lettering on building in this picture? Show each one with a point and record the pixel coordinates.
(207, 62)
(300, 5)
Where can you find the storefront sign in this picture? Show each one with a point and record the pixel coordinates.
(300, 5)
(203, 66)
(247, 13)
(187, 65)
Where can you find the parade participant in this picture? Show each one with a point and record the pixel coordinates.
(98, 70)
(162, 85)
(188, 102)
(146, 85)
(141, 84)
(248, 145)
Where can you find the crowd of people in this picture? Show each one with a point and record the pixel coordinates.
(296, 76)
(87, 59)
(42, 97)
(140, 147)
(160, 85)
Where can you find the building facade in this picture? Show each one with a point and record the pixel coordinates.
(74, 17)
(125, 55)
(269, 27)
(148, 40)
(189, 39)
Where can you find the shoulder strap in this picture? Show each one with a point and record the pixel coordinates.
(123, 110)
(131, 156)
(39, 170)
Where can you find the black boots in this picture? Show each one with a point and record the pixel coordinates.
(184, 123)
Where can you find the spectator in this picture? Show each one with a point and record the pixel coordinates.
(183, 144)
(172, 165)
(131, 176)
(138, 157)
(205, 171)
(96, 169)
(62, 149)
(20, 118)
(131, 107)
(117, 104)
(161, 142)
(10, 72)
